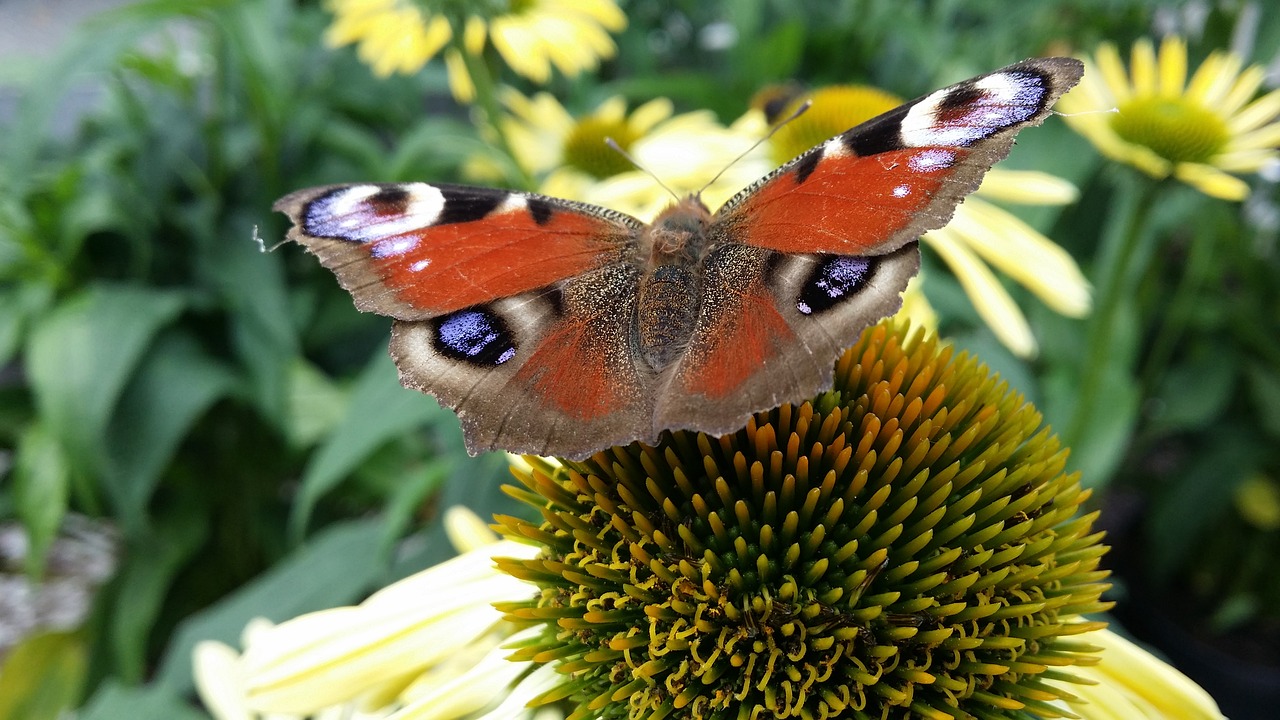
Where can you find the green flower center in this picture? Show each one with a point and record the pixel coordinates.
(586, 150)
(833, 110)
(1172, 127)
(902, 547)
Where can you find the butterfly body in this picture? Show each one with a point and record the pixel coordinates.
(556, 327)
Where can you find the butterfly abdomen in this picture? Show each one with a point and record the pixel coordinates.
(668, 304)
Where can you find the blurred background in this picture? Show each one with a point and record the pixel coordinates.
(195, 432)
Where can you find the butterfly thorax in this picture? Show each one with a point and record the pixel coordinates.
(671, 284)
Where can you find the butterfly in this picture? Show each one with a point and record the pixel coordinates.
(556, 327)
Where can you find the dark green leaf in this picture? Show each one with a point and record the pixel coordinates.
(380, 409)
(82, 354)
(175, 384)
(114, 701)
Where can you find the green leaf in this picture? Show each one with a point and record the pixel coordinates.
(253, 290)
(316, 404)
(42, 676)
(153, 560)
(114, 701)
(1265, 386)
(380, 409)
(1194, 394)
(337, 566)
(41, 481)
(174, 385)
(82, 354)
(1198, 497)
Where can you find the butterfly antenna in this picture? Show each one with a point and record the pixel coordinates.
(777, 126)
(618, 149)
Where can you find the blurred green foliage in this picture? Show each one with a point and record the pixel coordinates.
(239, 422)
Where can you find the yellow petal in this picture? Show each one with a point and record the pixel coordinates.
(645, 117)
(916, 307)
(1261, 139)
(1260, 112)
(1173, 66)
(1245, 161)
(216, 668)
(1221, 82)
(1111, 70)
(1245, 87)
(1143, 67)
(1212, 181)
(1204, 77)
(986, 293)
(1137, 679)
(604, 12)
(473, 35)
(1017, 250)
(460, 83)
(1030, 187)
(466, 531)
(519, 50)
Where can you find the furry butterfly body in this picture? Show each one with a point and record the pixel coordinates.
(560, 328)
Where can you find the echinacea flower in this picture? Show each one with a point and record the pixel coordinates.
(980, 233)
(685, 151)
(905, 545)
(531, 36)
(1198, 131)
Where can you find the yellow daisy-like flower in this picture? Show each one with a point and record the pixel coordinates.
(981, 234)
(685, 151)
(1198, 131)
(532, 36)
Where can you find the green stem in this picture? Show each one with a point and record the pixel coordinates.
(1195, 272)
(487, 99)
(1111, 289)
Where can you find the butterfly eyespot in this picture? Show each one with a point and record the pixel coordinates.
(833, 280)
(475, 336)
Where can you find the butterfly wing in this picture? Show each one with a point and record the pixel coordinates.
(805, 259)
(515, 310)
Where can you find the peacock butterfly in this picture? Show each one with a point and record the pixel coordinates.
(560, 328)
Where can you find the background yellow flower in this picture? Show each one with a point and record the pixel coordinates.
(1198, 131)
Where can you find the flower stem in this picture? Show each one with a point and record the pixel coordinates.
(1115, 282)
(487, 99)
(1196, 271)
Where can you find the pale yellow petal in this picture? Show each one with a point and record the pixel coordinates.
(604, 12)
(612, 110)
(1113, 75)
(986, 293)
(1261, 139)
(1221, 82)
(1173, 66)
(1017, 250)
(1245, 161)
(1142, 67)
(521, 52)
(644, 118)
(1212, 181)
(466, 531)
(216, 668)
(467, 692)
(1244, 89)
(1205, 76)
(916, 307)
(473, 35)
(460, 83)
(1155, 687)
(1030, 187)
(1260, 112)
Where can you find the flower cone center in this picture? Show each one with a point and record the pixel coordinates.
(586, 150)
(1176, 130)
(834, 110)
